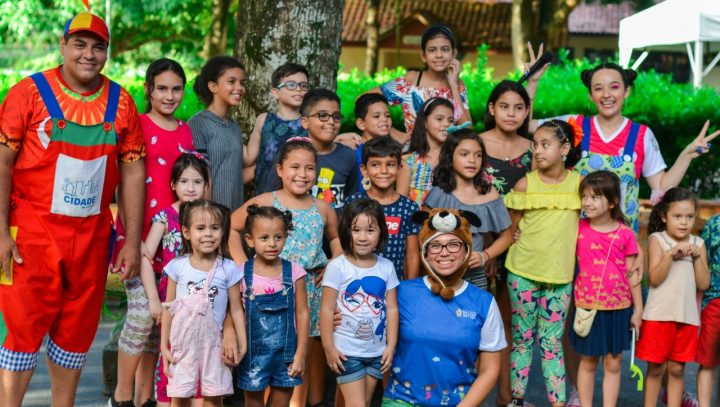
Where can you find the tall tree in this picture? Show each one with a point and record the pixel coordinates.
(216, 39)
(372, 23)
(270, 33)
(546, 21)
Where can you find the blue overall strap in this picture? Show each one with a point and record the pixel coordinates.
(248, 270)
(249, 307)
(48, 97)
(112, 103)
(629, 148)
(586, 129)
(290, 332)
(286, 275)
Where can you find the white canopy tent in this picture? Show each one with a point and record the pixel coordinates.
(689, 22)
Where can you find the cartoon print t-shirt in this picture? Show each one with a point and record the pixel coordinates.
(191, 281)
(337, 176)
(361, 300)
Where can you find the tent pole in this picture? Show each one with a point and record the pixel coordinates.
(640, 60)
(698, 71)
(690, 57)
(711, 65)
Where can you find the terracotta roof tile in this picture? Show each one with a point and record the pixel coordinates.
(598, 19)
(474, 21)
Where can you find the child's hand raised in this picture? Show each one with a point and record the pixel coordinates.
(297, 367)
(335, 360)
(387, 359)
(453, 73)
(701, 144)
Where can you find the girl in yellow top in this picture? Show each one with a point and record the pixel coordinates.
(545, 205)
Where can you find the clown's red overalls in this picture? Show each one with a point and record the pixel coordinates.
(62, 184)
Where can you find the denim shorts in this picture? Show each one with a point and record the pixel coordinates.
(356, 368)
(265, 370)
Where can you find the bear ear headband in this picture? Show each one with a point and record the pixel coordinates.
(446, 222)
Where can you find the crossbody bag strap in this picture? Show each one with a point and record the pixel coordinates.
(607, 258)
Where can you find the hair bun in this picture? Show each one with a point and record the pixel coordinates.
(586, 77)
(253, 209)
(631, 75)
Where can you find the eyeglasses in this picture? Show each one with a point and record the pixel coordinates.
(325, 116)
(292, 85)
(452, 247)
(353, 302)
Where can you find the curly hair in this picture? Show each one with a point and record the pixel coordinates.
(255, 211)
(660, 210)
(444, 176)
(213, 69)
(566, 134)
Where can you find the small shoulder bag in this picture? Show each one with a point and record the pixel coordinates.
(584, 317)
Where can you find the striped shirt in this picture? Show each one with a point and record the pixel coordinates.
(221, 141)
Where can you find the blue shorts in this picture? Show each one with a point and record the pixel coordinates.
(356, 368)
(265, 370)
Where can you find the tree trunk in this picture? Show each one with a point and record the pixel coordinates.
(216, 40)
(539, 21)
(272, 32)
(373, 31)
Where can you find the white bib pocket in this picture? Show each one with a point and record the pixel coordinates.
(78, 186)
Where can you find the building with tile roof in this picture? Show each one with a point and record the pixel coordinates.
(593, 30)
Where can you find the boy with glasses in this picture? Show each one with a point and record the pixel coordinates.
(273, 129)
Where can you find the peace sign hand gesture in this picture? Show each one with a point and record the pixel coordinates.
(701, 144)
(533, 58)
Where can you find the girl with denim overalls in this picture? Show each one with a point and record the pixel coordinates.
(312, 220)
(276, 311)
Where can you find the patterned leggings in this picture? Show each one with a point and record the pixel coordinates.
(538, 310)
(138, 334)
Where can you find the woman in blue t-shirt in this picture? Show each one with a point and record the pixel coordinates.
(445, 323)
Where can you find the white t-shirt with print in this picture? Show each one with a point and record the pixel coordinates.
(361, 300)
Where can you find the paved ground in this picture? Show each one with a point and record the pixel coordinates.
(91, 381)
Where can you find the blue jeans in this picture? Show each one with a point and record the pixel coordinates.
(356, 368)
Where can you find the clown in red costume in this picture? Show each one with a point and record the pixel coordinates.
(68, 137)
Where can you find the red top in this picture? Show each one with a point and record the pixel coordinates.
(25, 121)
(162, 151)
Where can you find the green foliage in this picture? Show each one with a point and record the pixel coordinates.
(141, 31)
(675, 112)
